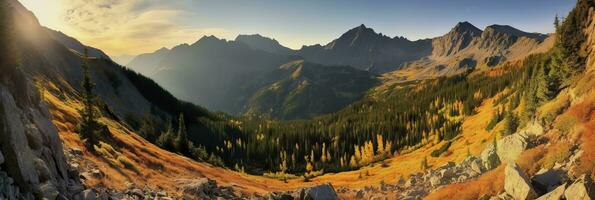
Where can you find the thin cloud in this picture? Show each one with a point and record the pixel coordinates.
(131, 27)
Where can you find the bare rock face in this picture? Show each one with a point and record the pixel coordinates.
(14, 143)
(516, 184)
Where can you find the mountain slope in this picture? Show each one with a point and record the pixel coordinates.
(148, 63)
(74, 44)
(302, 90)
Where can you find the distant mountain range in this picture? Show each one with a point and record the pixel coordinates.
(467, 47)
(232, 76)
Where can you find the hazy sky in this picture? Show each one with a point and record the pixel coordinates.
(122, 27)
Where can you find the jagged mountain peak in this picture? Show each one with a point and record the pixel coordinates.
(360, 35)
(456, 40)
(360, 30)
(465, 27)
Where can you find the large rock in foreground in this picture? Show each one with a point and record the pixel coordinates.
(320, 192)
(511, 147)
(516, 184)
(582, 189)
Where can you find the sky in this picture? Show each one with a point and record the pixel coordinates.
(132, 27)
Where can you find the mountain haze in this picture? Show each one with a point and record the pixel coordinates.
(233, 76)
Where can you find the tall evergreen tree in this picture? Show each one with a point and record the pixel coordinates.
(543, 92)
(89, 127)
(181, 141)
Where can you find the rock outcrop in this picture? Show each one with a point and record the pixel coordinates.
(31, 145)
(317, 192)
(511, 147)
(516, 184)
(489, 157)
(581, 189)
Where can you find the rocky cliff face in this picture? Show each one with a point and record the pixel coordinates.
(33, 159)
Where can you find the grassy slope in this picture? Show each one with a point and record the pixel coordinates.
(153, 166)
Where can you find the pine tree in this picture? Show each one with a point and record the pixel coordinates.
(510, 124)
(89, 127)
(556, 22)
(181, 141)
(166, 139)
(543, 92)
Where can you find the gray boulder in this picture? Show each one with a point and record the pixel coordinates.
(489, 157)
(89, 195)
(321, 192)
(555, 194)
(516, 184)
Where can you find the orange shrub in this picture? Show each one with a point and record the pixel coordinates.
(530, 160)
(587, 160)
(584, 112)
(490, 183)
